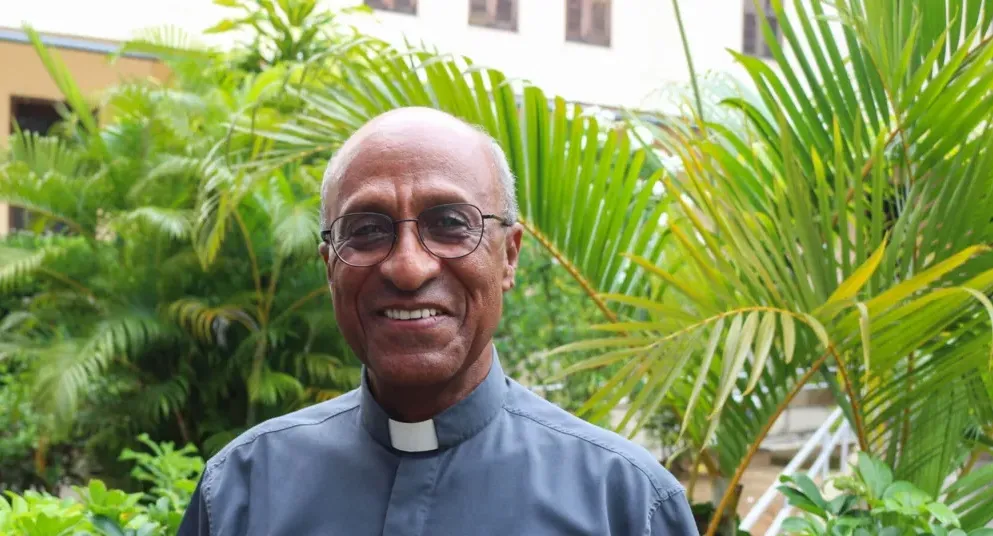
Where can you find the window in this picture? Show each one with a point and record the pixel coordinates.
(400, 6)
(588, 21)
(500, 14)
(30, 115)
(753, 42)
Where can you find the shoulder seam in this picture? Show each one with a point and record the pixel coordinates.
(250, 440)
(662, 494)
(655, 507)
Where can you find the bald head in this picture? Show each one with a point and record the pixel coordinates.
(429, 128)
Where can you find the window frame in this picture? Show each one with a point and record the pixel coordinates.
(753, 41)
(380, 5)
(585, 34)
(489, 18)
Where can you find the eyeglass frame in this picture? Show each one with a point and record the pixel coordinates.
(326, 233)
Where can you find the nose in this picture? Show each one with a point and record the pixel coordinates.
(409, 266)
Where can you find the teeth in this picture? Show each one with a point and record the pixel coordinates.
(402, 314)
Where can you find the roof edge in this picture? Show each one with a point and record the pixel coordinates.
(82, 44)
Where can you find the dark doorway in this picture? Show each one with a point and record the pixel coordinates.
(30, 115)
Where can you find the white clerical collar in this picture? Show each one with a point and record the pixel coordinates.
(447, 429)
(413, 436)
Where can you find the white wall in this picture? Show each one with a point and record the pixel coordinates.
(645, 50)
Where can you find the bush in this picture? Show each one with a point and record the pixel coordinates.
(94, 509)
(871, 503)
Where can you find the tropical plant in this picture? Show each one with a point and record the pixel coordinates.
(842, 233)
(182, 294)
(112, 512)
(142, 319)
(525, 331)
(845, 235)
(870, 502)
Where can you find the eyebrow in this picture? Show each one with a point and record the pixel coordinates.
(428, 200)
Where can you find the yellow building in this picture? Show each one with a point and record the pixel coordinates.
(28, 95)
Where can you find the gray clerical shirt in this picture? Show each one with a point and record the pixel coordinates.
(502, 462)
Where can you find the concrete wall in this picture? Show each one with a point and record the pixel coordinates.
(23, 75)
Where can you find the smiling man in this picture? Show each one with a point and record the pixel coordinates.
(420, 242)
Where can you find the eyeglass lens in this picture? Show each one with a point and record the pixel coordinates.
(447, 231)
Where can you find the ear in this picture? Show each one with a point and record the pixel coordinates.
(325, 252)
(513, 255)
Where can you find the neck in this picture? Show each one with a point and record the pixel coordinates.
(408, 403)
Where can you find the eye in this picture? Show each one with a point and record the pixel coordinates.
(366, 229)
(363, 230)
(450, 221)
(447, 219)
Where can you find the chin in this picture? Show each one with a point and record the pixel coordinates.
(413, 369)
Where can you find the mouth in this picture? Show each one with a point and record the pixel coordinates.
(407, 315)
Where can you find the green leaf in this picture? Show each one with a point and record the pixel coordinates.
(767, 330)
(819, 330)
(225, 25)
(943, 514)
(989, 310)
(842, 504)
(705, 361)
(798, 499)
(742, 345)
(854, 283)
(865, 332)
(789, 337)
(876, 475)
(798, 524)
(906, 495)
(107, 526)
(810, 490)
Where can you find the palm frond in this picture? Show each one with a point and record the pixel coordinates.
(170, 222)
(68, 369)
(19, 266)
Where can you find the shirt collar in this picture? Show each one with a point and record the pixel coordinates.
(447, 429)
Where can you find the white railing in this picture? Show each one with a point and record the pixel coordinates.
(823, 443)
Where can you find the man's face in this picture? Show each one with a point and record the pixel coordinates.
(400, 171)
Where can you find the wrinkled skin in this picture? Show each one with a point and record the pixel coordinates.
(399, 164)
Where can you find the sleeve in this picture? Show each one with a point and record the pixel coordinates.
(196, 521)
(672, 517)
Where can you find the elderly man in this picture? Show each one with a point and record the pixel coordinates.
(420, 243)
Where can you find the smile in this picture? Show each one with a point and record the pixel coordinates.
(416, 314)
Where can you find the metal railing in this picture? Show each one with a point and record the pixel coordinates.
(822, 443)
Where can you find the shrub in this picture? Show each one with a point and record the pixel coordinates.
(871, 503)
(95, 509)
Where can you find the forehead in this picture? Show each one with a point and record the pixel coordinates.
(403, 172)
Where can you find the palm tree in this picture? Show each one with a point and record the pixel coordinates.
(148, 316)
(842, 234)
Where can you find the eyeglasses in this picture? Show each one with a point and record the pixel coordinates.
(447, 231)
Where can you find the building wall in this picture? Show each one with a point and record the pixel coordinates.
(645, 50)
(23, 75)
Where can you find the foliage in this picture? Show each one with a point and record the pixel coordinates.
(870, 502)
(19, 434)
(283, 31)
(181, 294)
(526, 329)
(111, 512)
(845, 233)
(141, 319)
